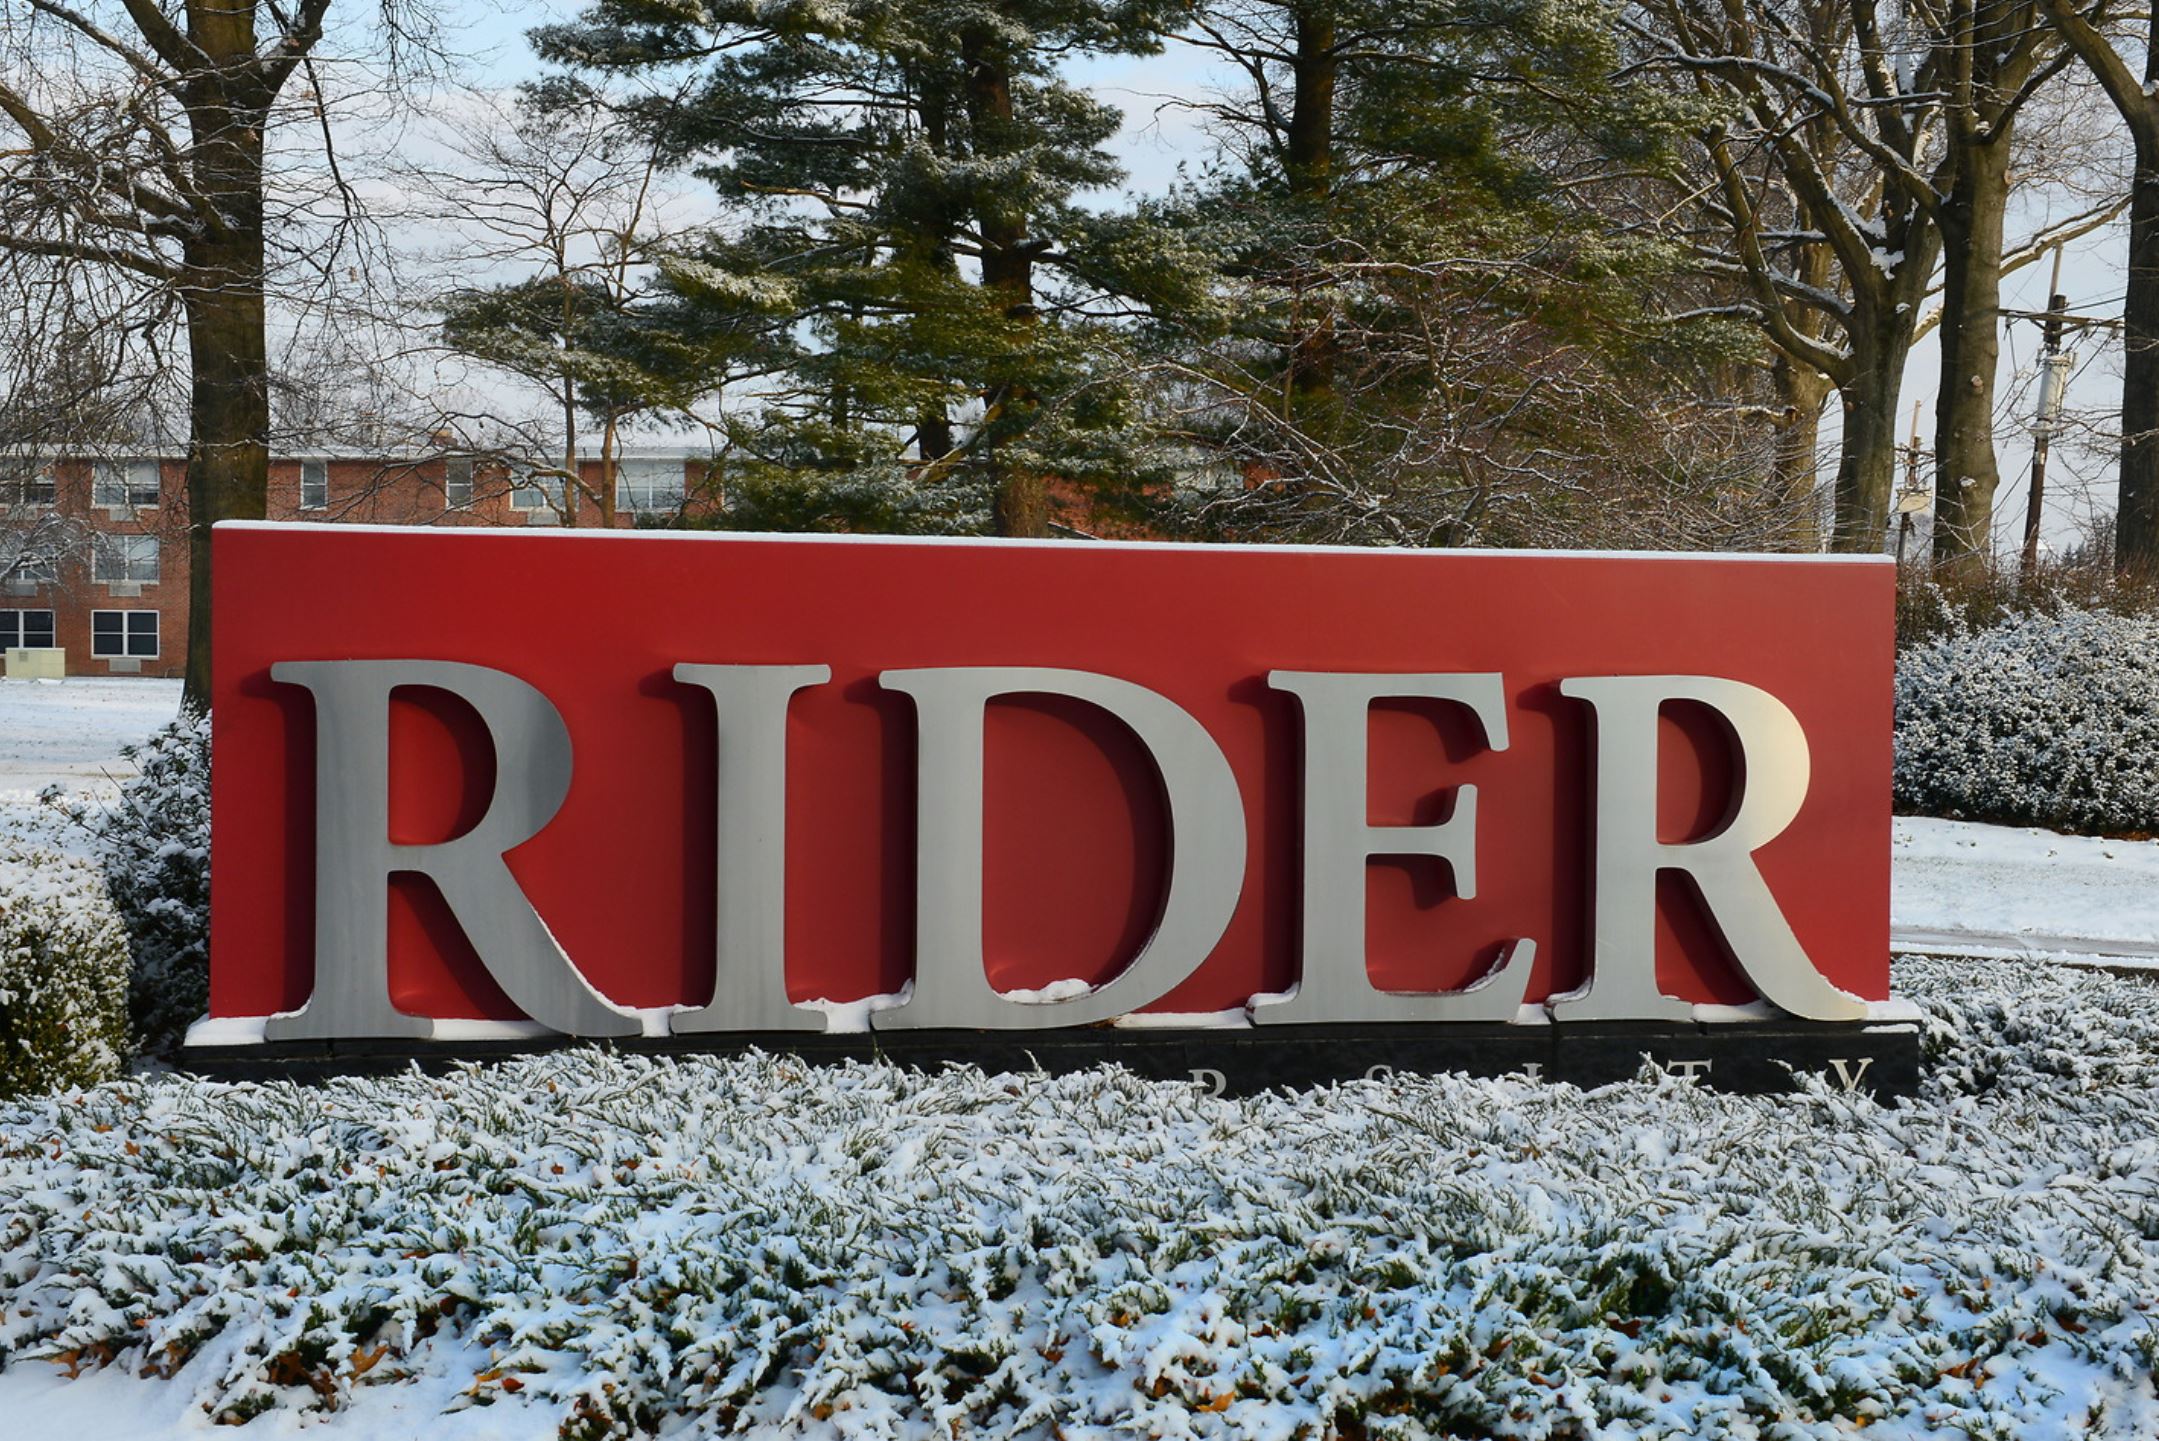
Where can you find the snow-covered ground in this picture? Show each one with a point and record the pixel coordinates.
(1958, 885)
(69, 732)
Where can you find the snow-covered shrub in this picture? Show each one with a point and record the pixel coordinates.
(611, 1245)
(2049, 720)
(63, 975)
(154, 846)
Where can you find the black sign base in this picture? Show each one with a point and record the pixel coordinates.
(1751, 1058)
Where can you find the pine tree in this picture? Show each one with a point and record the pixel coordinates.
(1442, 336)
(946, 334)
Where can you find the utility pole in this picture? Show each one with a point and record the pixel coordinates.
(1913, 499)
(2053, 382)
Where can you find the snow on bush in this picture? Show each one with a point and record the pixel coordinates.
(2044, 719)
(63, 975)
(621, 1243)
(154, 845)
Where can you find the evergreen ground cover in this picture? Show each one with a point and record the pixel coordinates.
(613, 1244)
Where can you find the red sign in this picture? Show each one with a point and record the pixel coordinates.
(1076, 845)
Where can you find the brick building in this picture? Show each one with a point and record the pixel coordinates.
(94, 552)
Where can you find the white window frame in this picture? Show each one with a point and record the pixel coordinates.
(33, 492)
(130, 551)
(526, 483)
(637, 496)
(320, 470)
(123, 485)
(127, 649)
(19, 622)
(457, 478)
(36, 569)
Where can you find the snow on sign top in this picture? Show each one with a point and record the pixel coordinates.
(615, 786)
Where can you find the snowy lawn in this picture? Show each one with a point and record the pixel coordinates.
(2007, 888)
(68, 733)
(606, 1244)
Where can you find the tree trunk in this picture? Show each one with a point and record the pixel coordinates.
(933, 433)
(1867, 464)
(933, 426)
(1965, 472)
(610, 482)
(1803, 391)
(1022, 501)
(1309, 159)
(571, 479)
(2136, 523)
(228, 454)
(1308, 168)
(1023, 505)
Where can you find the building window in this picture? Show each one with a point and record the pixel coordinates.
(117, 558)
(30, 628)
(532, 491)
(457, 481)
(649, 487)
(314, 485)
(117, 634)
(116, 483)
(35, 567)
(39, 489)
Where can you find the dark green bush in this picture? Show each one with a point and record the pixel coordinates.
(63, 975)
(154, 847)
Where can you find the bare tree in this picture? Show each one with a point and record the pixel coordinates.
(1995, 56)
(1470, 409)
(134, 135)
(559, 215)
(88, 370)
(1850, 140)
(2090, 33)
